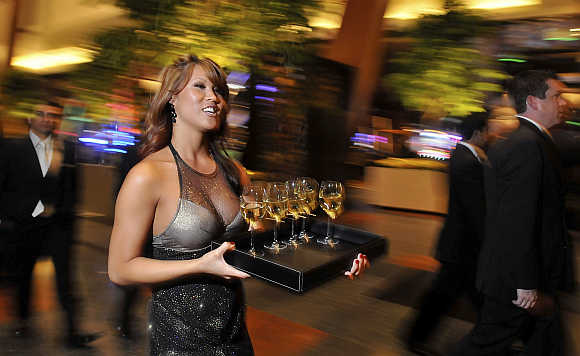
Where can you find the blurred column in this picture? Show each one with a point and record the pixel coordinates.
(8, 25)
(358, 44)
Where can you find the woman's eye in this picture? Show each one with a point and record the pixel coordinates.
(199, 85)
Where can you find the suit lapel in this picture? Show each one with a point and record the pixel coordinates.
(34, 163)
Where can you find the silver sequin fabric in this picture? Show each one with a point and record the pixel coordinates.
(201, 315)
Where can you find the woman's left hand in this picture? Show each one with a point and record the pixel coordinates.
(359, 265)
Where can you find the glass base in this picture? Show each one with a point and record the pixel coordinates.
(305, 237)
(327, 241)
(255, 253)
(275, 246)
(295, 241)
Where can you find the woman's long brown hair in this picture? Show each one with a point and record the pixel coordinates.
(158, 125)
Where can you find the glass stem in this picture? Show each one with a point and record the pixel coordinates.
(293, 227)
(251, 239)
(276, 233)
(328, 229)
(304, 224)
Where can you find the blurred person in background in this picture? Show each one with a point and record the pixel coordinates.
(186, 168)
(37, 199)
(125, 297)
(525, 256)
(461, 236)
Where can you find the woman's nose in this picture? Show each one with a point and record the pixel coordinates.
(211, 94)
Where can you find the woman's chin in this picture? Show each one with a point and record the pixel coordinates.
(212, 128)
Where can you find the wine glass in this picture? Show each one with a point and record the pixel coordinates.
(276, 202)
(310, 202)
(331, 196)
(296, 200)
(252, 206)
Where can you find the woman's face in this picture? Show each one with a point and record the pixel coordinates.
(200, 104)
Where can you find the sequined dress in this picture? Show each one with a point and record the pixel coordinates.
(202, 315)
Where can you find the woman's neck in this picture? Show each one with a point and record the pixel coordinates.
(192, 148)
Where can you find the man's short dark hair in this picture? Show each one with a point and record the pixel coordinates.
(529, 82)
(54, 103)
(477, 121)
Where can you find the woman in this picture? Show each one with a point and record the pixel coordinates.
(197, 306)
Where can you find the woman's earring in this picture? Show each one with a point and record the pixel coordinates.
(171, 114)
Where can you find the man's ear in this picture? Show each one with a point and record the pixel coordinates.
(532, 102)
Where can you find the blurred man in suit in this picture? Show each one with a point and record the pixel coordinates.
(37, 199)
(525, 255)
(461, 236)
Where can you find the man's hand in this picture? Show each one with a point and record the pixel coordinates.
(527, 298)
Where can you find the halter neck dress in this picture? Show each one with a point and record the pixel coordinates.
(202, 314)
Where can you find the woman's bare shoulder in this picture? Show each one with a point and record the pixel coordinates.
(244, 179)
(150, 170)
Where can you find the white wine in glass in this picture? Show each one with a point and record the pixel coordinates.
(310, 203)
(332, 205)
(252, 206)
(252, 212)
(276, 202)
(312, 199)
(331, 196)
(277, 209)
(295, 207)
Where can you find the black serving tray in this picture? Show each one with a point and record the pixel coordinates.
(302, 268)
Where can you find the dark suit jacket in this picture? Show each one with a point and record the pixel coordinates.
(567, 139)
(526, 243)
(462, 232)
(22, 184)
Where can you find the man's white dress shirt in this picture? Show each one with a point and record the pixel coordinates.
(43, 150)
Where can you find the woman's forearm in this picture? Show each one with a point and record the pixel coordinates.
(143, 270)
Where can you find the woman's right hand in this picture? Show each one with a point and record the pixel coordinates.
(213, 263)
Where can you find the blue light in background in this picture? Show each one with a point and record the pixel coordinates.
(115, 150)
(264, 87)
(263, 98)
(93, 140)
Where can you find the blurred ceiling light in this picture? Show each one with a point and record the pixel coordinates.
(409, 11)
(52, 58)
(495, 4)
(321, 22)
(575, 29)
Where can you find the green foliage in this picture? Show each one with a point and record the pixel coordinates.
(444, 73)
(235, 33)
